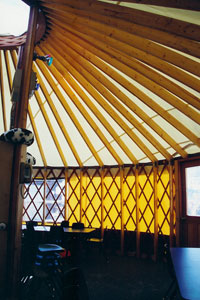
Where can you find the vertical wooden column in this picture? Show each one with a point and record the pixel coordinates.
(66, 194)
(177, 203)
(16, 200)
(155, 173)
(81, 194)
(137, 211)
(102, 202)
(122, 208)
(6, 158)
(44, 197)
(171, 236)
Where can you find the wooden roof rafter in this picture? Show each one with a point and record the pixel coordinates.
(147, 19)
(50, 127)
(99, 115)
(56, 115)
(155, 62)
(136, 65)
(114, 57)
(36, 134)
(71, 114)
(115, 91)
(84, 77)
(182, 4)
(80, 107)
(169, 118)
(3, 104)
(185, 45)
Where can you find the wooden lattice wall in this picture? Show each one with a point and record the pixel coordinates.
(138, 198)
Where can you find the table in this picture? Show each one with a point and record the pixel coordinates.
(186, 263)
(78, 231)
(65, 229)
(38, 228)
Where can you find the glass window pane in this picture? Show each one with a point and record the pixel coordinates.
(193, 191)
(55, 200)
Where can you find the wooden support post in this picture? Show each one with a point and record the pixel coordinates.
(155, 172)
(66, 194)
(44, 198)
(81, 194)
(16, 201)
(122, 208)
(137, 212)
(102, 202)
(171, 236)
(177, 203)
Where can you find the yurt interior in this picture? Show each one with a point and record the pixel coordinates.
(100, 150)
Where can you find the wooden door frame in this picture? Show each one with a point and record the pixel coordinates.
(183, 164)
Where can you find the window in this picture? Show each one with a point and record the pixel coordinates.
(192, 176)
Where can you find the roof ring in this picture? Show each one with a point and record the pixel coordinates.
(8, 41)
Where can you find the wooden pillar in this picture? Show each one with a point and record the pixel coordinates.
(81, 195)
(171, 204)
(66, 194)
(122, 208)
(137, 212)
(155, 172)
(44, 197)
(6, 158)
(16, 200)
(177, 203)
(102, 202)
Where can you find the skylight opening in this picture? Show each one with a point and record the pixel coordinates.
(14, 16)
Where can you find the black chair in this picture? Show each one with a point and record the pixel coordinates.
(98, 242)
(29, 246)
(56, 235)
(78, 225)
(30, 225)
(65, 224)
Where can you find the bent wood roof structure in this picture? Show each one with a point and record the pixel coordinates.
(123, 87)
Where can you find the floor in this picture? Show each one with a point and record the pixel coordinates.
(125, 278)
